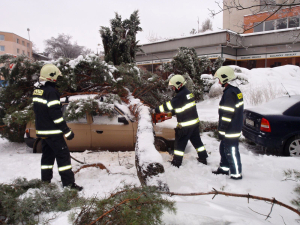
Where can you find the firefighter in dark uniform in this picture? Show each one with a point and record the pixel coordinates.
(183, 105)
(230, 124)
(51, 128)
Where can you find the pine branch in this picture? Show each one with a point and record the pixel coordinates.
(248, 196)
(114, 208)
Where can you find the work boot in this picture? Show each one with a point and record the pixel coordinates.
(203, 161)
(76, 187)
(220, 171)
(236, 177)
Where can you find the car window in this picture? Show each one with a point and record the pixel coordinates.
(80, 120)
(105, 119)
(293, 110)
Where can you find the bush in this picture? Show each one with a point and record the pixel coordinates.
(258, 94)
(23, 201)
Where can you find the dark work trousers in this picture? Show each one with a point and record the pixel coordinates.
(182, 136)
(230, 156)
(56, 148)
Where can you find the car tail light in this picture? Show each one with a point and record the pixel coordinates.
(265, 125)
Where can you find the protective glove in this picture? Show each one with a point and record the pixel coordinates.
(70, 135)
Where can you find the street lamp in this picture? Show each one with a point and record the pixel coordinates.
(28, 33)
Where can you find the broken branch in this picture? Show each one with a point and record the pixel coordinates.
(215, 192)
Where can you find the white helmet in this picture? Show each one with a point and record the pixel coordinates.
(49, 72)
(177, 81)
(225, 74)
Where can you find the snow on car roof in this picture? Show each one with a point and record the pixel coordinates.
(276, 106)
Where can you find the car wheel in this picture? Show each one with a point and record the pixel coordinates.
(37, 146)
(160, 145)
(292, 147)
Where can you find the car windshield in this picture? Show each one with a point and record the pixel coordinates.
(277, 106)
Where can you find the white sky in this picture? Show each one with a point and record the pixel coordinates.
(82, 19)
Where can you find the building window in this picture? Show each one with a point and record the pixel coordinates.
(281, 24)
(18, 41)
(293, 22)
(28, 54)
(270, 25)
(28, 45)
(18, 50)
(284, 23)
(1, 37)
(23, 52)
(23, 43)
(2, 48)
(259, 27)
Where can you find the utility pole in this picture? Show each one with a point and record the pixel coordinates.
(198, 25)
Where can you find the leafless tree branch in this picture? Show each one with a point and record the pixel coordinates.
(248, 196)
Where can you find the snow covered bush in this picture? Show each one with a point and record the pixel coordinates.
(256, 95)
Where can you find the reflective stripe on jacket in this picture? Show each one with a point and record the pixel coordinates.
(231, 112)
(183, 105)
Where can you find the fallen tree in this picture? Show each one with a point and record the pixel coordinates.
(148, 161)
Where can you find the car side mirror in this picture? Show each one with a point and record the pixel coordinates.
(122, 120)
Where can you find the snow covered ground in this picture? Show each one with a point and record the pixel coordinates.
(262, 175)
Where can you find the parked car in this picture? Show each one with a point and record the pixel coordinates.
(275, 125)
(95, 132)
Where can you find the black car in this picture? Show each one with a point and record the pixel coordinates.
(275, 125)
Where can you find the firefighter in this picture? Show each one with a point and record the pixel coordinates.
(230, 124)
(184, 107)
(51, 128)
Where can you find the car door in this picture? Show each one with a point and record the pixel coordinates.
(82, 131)
(109, 134)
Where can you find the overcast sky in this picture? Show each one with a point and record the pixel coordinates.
(82, 18)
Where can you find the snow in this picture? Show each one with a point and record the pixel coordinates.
(263, 175)
(272, 107)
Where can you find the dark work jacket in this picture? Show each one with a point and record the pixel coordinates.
(48, 114)
(231, 112)
(183, 106)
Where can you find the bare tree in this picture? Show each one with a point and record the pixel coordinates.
(62, 47)
(206, 25)
(152, 37)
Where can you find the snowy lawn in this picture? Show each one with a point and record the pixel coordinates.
(262, 176)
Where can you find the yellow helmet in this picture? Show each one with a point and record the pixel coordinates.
(225, 74)
(49, 72)
(177, 81)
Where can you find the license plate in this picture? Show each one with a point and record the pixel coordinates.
(250, 122)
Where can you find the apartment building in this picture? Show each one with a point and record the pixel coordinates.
(251, 38)
(11, 43)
